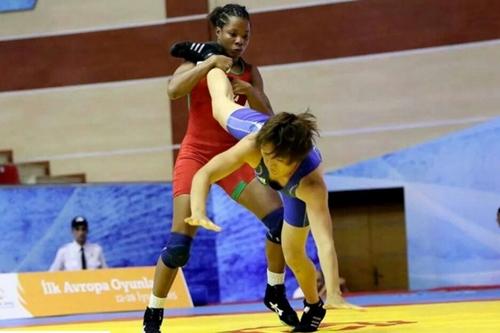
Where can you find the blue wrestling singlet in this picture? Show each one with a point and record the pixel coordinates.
(245, 121)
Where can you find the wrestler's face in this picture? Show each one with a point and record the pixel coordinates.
(278, 166)
(234, 36)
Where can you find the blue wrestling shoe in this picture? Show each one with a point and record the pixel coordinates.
(275, 300)
(152, 320)
(195, 52)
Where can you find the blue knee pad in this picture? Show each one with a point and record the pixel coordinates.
(274, 224)
(176, 253)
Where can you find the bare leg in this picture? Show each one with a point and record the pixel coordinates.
(275, 257)
(261, 200)
(163, 279)
(221, 91)
(164, 276)
(294, 248)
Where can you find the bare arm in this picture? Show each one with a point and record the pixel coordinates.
(217, 168)
(312, 190)
(257, 99)
(187, 75)
(254, 92)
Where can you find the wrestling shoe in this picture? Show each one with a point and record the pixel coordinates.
(275, 300)
(195, 52)
(311, 317)
(152, 320)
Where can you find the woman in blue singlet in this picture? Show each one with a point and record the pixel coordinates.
(281, 150)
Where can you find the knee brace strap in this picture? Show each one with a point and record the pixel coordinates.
(274, 223)
(176, 253)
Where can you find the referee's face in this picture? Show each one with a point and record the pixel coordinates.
(80, 234)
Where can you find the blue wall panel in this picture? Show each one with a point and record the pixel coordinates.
(130, 221)
(452, 193)
(16, 5)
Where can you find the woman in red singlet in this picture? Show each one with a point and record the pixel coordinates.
(205, 139)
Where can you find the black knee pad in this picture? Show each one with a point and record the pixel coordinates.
(176, 253)
(274, 224)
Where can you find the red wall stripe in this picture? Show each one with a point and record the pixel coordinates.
(186, 7)
(102, 56)
(305, 34)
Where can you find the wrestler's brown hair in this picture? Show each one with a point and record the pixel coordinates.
(292, 135)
